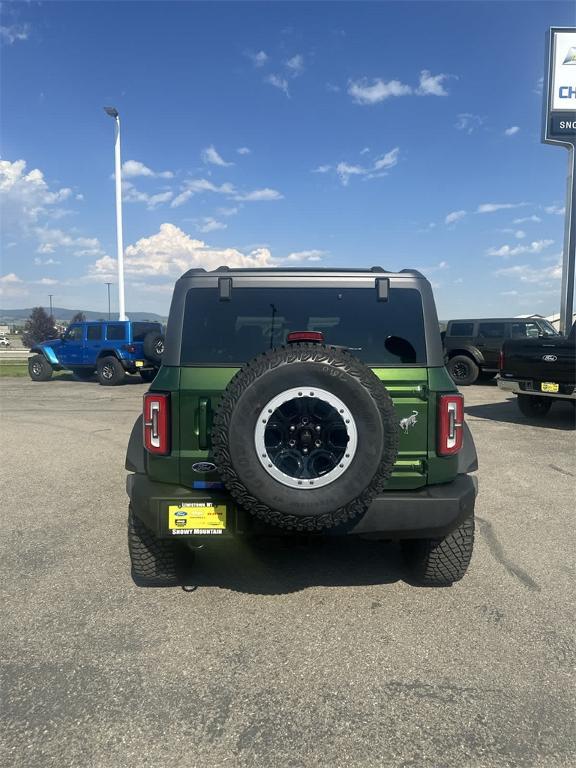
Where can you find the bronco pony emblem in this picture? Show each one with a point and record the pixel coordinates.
(409, 421)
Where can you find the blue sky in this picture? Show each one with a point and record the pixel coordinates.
(329, 134)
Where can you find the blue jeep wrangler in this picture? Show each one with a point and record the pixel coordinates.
(112, 349)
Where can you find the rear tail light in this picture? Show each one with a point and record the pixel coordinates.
(450, 424)
(129, 348)
(157, 423)
(313, 336)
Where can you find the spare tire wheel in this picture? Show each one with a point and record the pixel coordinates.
(304, 437)
(154, 346)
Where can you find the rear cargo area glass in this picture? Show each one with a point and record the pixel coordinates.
(230, 332)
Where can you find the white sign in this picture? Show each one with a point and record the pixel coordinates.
(564, 71)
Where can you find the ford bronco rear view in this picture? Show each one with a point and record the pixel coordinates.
(293, 401)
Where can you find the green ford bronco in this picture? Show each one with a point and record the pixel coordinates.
(295, 401)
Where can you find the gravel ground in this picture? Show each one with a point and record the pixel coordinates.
(285, 656)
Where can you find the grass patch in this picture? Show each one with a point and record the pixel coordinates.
(10, 368)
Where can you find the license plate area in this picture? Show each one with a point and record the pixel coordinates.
(197, 518)
(549, 386)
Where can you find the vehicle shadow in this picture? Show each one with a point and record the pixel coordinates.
(67, 376)
(562, 415)
(277, 565)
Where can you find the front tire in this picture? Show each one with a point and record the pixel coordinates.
(463, 370)
(39, 368)
(110, 372)
(155, 562)
(440, 562)
(533, 406)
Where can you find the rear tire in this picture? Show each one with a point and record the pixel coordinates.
(154, 346)
(440, 562)
(110, 372)
(39, 368)
(533, 406)
(155, 562)
(463, 370)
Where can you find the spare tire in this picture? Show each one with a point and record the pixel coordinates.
(154, 346)
(304, 437)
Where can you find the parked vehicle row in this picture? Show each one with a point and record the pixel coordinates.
(110, 349)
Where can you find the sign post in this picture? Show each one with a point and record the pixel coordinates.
(559, 127)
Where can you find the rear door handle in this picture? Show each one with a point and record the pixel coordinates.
(203, 423)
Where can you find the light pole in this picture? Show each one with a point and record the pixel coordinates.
(108, 286)
(50, 295)
(113, 112)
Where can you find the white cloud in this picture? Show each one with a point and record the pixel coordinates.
(244, 151)
(228, 211)
(199, 186)
(468, 122)
(171, 251)
(524, 219)
(26, 196)
(378, 90)
(11, 286)
(528, 274)
(257, 195)
(493, 207)
(296, 64)
(512, 131)
(210, 224)
(431, 85)
(278, 82)
(133, 168)
(211, 156)
(259, 59)
(454, 216)
(46, 281)
(442, 265)
(508, 293)
(519, 234)
(52, 240)
(39, 262)
(379, 167)
(132, 195)
(311, 255)
(558, 210)
(14, 32)
(505, 251)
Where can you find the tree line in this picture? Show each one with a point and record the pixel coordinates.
(40, 326)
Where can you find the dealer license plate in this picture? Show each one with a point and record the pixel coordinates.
(549, 386)
(196, 518)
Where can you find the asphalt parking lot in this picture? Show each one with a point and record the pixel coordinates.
(285, 656)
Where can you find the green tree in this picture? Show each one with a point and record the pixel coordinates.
(39, 327)
(79, 317)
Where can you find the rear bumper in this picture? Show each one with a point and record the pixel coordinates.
(531, 387)
(433, 511)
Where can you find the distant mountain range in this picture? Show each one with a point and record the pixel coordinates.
(63, 315)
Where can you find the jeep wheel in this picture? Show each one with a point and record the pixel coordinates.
(154, 346)
(39, 368)
(110, 372)
(148, 375)
(440, 562)
(533, 406)
(155, 562)
(463, 370)
(304, 437)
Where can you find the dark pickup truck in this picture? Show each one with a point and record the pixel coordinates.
(539, 371)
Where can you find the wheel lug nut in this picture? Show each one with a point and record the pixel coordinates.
(318, 443)
(304, 450)
(291, 443)
(292, 428)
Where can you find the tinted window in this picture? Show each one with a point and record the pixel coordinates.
(74, 333)
(139, 330)
(94, 332)
(462, 329)
(255, 319)
(491, 330)
(115, 332)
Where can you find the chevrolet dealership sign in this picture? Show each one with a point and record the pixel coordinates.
(560, 88)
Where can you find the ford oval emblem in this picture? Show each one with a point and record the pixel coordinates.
(549, 358)
(204, 466)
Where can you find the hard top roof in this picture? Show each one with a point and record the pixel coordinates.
(230, 271)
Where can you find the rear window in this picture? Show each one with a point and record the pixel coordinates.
(255, 319)
(140, 330)
(461, 329)
(115, 332)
